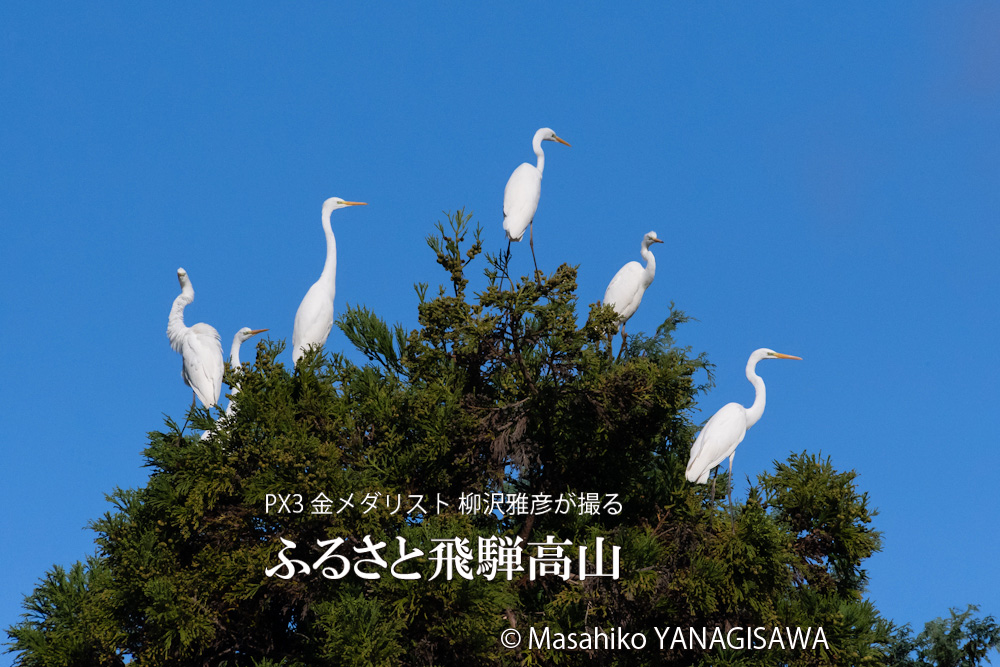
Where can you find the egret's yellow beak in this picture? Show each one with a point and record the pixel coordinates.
(257, 331)
(561, 141)
(778, 355)
(352, 203)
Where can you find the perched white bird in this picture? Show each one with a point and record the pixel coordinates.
(314, 318)
(242, 335)
(234, 361)
(524, 187)
(199, 346)
(625, 290)
(727, 427)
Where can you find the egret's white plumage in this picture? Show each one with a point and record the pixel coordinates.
(314, 318)
(727, 427)
(524, 188)
(234, 361)
(199, 346)
(625, 290)
(241, 336)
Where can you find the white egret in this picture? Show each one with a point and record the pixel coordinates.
(520, 197)
(625, 290)
(314, 318)
(242, 335)
(234, 361)
(199, 346)
(727, 427)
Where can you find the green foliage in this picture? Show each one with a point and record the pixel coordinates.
(65, 621)
(501, 391)
(958, 641)
(372, 336)
(830, 520)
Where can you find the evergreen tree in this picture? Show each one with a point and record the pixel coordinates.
(500, 393)
(959, 641)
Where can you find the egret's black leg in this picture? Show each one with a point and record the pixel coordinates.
(624, 337)
(531, 242)
(506, 268)
(194, 397)
(732, 511)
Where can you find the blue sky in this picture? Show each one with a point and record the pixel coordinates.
(826, 181)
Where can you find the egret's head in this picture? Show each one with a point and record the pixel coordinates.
(546, 134)
(767, 353)
(246, 333)
(649, 239)
(182, 277)
(333, 203)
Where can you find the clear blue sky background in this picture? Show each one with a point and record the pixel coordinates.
(827, 181)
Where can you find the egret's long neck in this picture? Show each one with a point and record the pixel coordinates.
(234, 353)
(329, 274)
(539, 153)
(177, 310)
(234, 362)
(650, 270)
(755, 411)
(175, 323)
